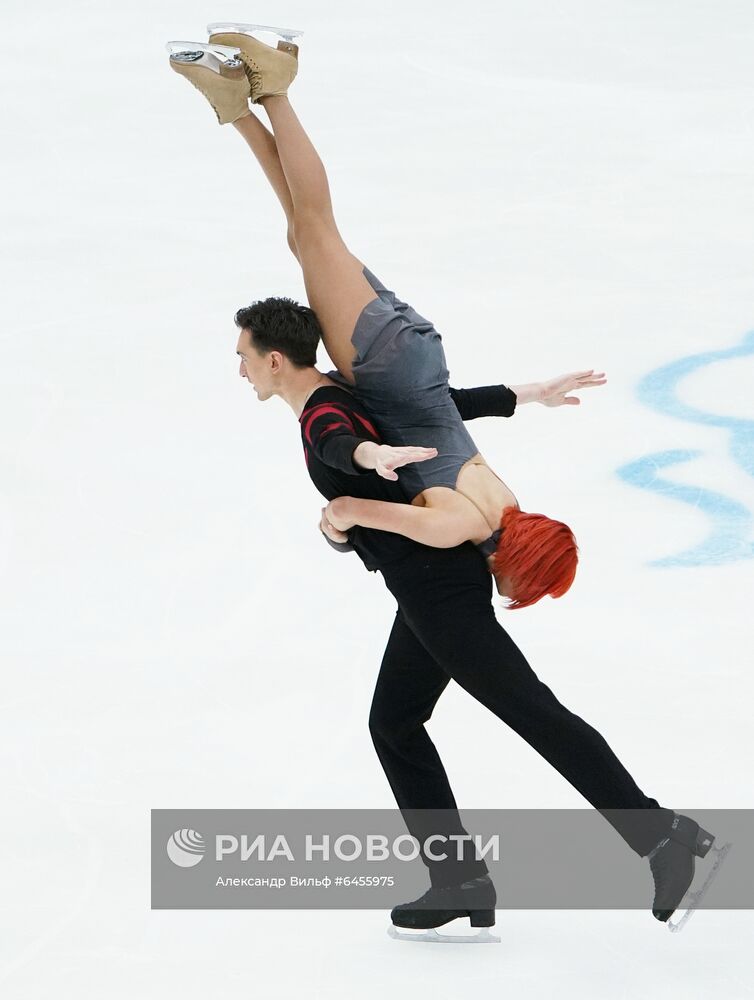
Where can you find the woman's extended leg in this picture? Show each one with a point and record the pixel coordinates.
(336, 287)
(262, 144)
(325, 253)
(264, 147)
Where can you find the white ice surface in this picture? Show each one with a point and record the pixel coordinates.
(557, 186)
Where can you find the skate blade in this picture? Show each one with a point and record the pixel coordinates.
(696, 897)
(221, 27)
(213, 56)
(482, 937)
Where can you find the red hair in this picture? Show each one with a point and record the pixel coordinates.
(538, 554)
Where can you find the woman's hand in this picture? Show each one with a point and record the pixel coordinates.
(338, 516)
(553, 391)
(328, 529)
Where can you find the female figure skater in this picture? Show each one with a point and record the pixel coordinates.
(383, 349)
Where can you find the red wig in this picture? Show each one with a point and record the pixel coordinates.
(538, 554)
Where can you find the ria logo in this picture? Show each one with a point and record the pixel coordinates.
(186, 848)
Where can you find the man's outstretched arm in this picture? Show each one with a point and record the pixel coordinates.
(502, 400)
(334, 435)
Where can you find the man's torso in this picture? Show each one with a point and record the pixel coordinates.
(335, 405)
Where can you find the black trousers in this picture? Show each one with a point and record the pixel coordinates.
(445, 627)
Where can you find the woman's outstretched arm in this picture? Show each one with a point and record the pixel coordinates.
(503, 400)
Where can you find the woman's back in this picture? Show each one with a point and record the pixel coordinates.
(479, 498)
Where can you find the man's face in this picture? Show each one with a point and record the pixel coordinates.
(258, 369)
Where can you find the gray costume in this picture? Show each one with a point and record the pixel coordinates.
(402, 378)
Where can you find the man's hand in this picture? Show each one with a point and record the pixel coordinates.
(384, 459)
(553, 392)
(327, 528)
(336, 514)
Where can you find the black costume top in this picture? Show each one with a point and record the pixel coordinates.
(334, 424)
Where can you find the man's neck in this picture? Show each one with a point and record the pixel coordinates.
(301, 386)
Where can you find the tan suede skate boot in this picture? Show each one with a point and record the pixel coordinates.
(271, 70)
(218, 72)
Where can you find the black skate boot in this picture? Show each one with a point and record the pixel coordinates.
(672, 862)
(474, 899)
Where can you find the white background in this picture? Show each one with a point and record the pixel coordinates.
(557, 186)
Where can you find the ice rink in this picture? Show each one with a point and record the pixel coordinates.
(558, 186)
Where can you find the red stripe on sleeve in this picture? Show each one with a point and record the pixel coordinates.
(369, 426)
(338, 423)
(320, 411)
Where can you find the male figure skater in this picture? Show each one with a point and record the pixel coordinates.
(445, 625)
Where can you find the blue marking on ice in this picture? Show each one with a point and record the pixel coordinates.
(727, 540)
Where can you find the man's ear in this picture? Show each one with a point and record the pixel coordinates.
(275, 361)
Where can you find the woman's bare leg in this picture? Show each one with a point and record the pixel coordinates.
(335, 284)
(262, 144)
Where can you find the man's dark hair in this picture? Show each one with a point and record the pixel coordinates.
(280, 324)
